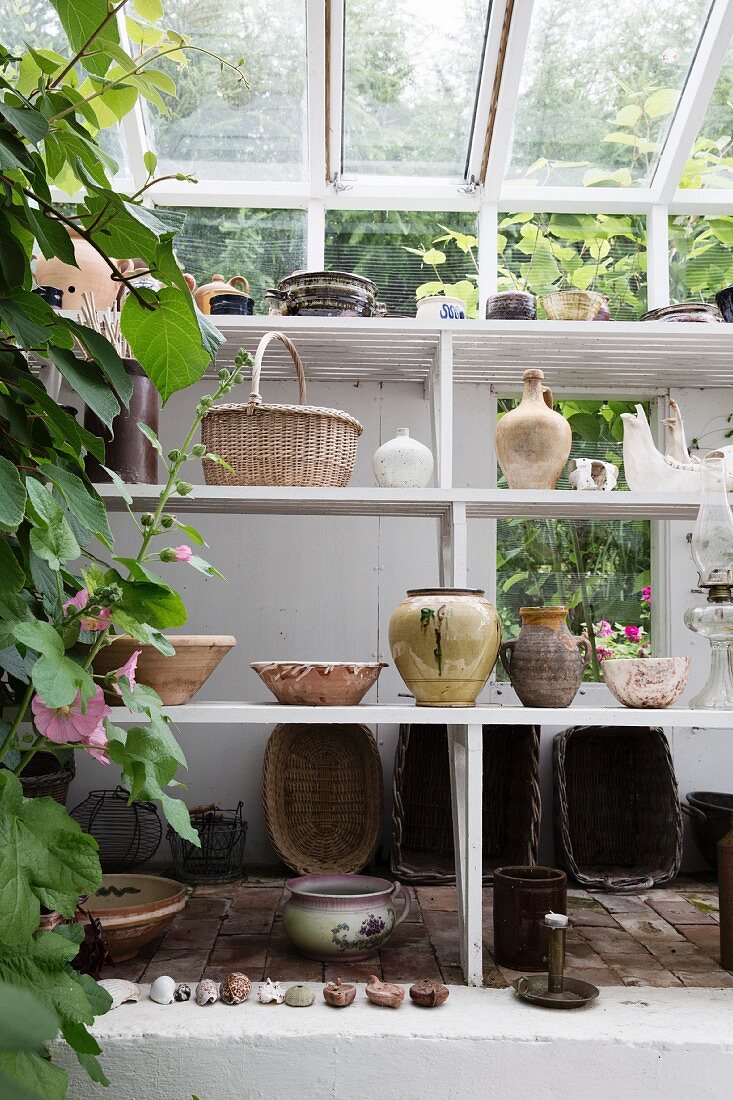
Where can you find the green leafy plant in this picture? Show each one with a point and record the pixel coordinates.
(465, 289)
(67, 590)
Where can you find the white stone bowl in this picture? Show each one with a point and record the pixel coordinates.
(654, 682)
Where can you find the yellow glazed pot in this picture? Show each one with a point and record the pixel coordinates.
(444, 642)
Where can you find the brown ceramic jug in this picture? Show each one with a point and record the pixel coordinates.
(219, 285)
(129, 453)
(544, 663)
(533, 441)
(522, 897)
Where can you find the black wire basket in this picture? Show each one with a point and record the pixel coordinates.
(220, 858)
(127, 835)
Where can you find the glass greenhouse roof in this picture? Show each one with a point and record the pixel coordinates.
(415, 104)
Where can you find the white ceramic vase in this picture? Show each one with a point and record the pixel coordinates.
(403, 463)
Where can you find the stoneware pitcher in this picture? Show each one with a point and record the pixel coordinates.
(533, 441)
(544, 663)
(444, 642)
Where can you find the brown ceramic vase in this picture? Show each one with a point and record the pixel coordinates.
(522, 897)
(128, 453)
(533, 441)
(544, 663)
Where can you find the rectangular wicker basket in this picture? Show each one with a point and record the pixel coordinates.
(263, 444)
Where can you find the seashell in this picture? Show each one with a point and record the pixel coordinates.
(428, 994)
(300, 996)
(270, 993)
(384, 993)
(207, 992)
(120, 991)
(235, 988)
(163, 990)
(182, 993)
(339, 995)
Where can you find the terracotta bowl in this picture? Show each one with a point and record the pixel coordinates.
(176, 679)
(135, 909)
(319, 683)
(647, 681)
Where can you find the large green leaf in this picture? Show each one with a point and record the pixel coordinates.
(25, 1075)
(83, 500)
(12, 496)
(55, 543)
(58, 680)
(11, 570)
(86, 380)
(101, 351)
(82, 19)
(165, 338)
(45, 858)
(25, 1023)
(26, 120)
(158, 606)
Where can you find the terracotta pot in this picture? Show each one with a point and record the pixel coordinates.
(572, 305)
(135, 909)
(92, 275)
(522, 897)
(544, 663)
(176, 679)
(444, 642)
(219, 285)
(533, 441)
(511, 305)
(324, 683)
(128, 452)
(331, 917)
(647, 681)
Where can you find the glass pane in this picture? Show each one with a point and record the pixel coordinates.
(599, 89)
(603, 252)
(711, 163)
(263, 245)
(411, 70)
(377, 244)
(600, 569)
(218, 128)
(700, 256)
(36, 22)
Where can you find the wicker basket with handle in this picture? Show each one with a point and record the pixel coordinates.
(279, 444)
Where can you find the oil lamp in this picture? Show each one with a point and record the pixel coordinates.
(712, 551)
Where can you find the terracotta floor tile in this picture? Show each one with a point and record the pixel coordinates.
(249, 921)
(402, 965)
(622, 903)
(288, 968)
(680, 912)
(191, 933)
(217, 890)
(601, 976)
(648, 930)
(184, 967)
(661, 978)
(130, 971)
(442, 898)
(591, 917)
(353, 972)
(205, 908)
(239, 952)
(706, 979)
(256, 897)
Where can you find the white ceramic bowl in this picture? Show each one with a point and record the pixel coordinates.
(655, 682)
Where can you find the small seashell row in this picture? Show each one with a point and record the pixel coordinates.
(299, 996)
(120, 991)
(207, 992)
(235, 988)
(270, 993)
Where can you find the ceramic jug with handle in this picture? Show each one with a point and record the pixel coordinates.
(237, 284)
(533, 441)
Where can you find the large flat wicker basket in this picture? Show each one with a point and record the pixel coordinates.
(618, 824)
(279, 444)
(322, 796)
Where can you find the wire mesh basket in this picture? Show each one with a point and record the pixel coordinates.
(223, 835)
(127, 835)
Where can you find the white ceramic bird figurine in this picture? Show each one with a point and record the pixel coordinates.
(647, 470)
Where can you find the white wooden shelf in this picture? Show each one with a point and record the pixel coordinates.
(640, 356)
(371, 714)
(356, 501)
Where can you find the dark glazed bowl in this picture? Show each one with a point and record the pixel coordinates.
(511, 305)
(228, 304)
(724, 298)
(711, 817)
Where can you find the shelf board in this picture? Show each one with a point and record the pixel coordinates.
(223, 713)
(356, 501)
(627, 356)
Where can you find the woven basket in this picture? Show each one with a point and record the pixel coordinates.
(279, 444)
(45, 777)
(322, 796)
(572, 305)
(422, 838)
(618, 824)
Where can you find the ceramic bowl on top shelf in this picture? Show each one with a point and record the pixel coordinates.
(653, 682)
(176, 679)
(724, 299)
(511, 305)
(573, 305)
(135, 909)
(441, 307)
(695, 312)
(319, 683)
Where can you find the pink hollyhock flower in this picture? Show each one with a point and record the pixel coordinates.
(633, 632)
(605, 629)
(646, 594)
(64, 725)
(88, 622)
(128, 670)
(603, 652)
(182, 553)
(97, 745)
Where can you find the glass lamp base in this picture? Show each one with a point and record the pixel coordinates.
(717, 694)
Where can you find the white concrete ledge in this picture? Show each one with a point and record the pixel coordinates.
(637, 1044)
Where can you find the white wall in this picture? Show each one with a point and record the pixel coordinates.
(324, 588)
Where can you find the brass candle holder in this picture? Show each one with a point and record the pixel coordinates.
(554, 990)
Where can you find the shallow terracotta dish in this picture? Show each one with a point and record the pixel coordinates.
(319, 683)
(647, 681)
(176, 679)
(135, 909)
